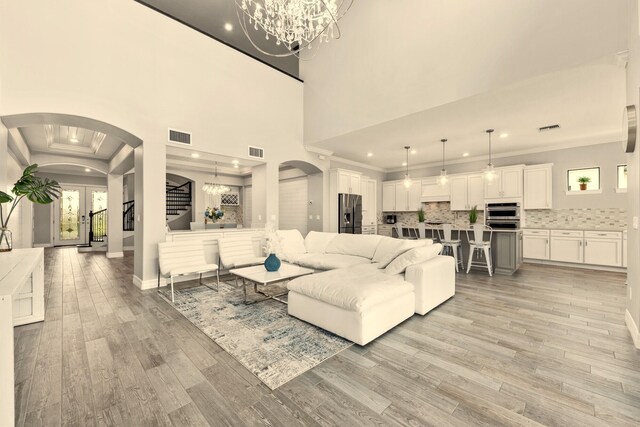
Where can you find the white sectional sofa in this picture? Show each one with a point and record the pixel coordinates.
(365, 285)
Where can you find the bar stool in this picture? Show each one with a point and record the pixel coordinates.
(399, 229)
(451, 244)
(479, 246)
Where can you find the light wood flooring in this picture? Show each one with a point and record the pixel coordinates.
(546, 346)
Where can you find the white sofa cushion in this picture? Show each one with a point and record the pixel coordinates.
(317, 241)
(413, 256)
(389, 249)
(363, 245)
(356, 288)
(328, 261)
(291, 242)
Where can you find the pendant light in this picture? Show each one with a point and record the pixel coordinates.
(407, 179)
(443, 172)
(213, 188)
(489, 173)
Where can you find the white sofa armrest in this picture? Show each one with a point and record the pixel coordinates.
(434, 282)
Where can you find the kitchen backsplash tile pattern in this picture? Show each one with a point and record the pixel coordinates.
(438, 212)
(604, 219)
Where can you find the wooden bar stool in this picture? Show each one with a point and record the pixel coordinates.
(480, 247)
(451, 244)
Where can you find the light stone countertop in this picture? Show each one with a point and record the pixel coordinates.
(609, 228)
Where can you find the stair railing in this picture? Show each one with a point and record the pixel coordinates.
(97, 225)
(178, 196)
(128, 215)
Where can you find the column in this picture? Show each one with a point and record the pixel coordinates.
(265, 191)
(150, 210)
(115, 187)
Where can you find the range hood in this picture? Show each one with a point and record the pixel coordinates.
(432, 191)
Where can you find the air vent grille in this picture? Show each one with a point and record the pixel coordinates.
(179, 137)
(548, 128)
(256, 152)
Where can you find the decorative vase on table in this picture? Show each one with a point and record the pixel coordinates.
(6, 241)
(272, 263)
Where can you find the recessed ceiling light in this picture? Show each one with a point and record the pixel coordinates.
(235, 162)
(235, 166)
(504, 135)
(73, 139)
(228, 26)
(87, 170)
(369, 154)
(465, 154)
(195, 155)
(413, 151)
(404, 163)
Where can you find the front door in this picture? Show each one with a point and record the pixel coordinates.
(72, 213)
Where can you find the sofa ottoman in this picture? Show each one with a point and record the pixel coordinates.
(358, 303)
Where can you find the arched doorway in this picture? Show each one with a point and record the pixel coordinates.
(301, 187)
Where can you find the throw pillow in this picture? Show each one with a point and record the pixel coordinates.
(389, 249)
(362, 245)
(411, 257)
(291, 242)
(316, 241)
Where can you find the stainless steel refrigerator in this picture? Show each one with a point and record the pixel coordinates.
(349, 213)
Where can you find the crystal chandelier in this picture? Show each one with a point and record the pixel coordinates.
(443, 179)
(407, 179)
(489, 172)
(215, 189)
(295, 24)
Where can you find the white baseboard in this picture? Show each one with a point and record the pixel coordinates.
(115, 254)
(42, 245)
(633, 328)
(573, 265)
(146, 284)
(127, 248)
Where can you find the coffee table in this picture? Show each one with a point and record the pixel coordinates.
(258, 275)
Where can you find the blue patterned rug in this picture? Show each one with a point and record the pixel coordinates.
(274, 346)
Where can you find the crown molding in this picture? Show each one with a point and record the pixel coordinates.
(359, 164)
(318, 150)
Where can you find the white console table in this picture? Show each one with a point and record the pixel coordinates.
(21, 302)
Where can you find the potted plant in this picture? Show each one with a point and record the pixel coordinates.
(473, 215)
(422, 229)
(38, 190)
(213, 214)
(584, 180)
(271, 248)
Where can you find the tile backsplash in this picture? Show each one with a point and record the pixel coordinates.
(588, 218)
(438, 212)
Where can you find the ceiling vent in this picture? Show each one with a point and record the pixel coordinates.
(548, 128)
(179, 137)
(256, 152)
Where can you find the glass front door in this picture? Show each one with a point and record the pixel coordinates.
(72, 213)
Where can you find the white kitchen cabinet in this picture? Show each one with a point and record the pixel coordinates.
(348, 181)
(536, 244)
(369, 202)
(603, 248)
(433, 191)
(507, 184)
(402, 197)
(624, 249)
(388, 196)
(566, 246)
(466, 191)
(413, 197)
(538, 189)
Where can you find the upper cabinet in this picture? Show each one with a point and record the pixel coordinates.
(433, 191)
(397, 198)
(538, 189)
(466, 191)
(348, 181)
(506, 185)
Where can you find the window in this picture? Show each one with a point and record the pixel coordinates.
(622, 177)
(588, 176)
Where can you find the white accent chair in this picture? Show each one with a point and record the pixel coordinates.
(480, 247)
(451, 244)
(238, 251)
(183, 259)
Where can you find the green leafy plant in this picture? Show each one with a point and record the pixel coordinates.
(421, 215)
(584, 180)
(36, 189)
(473, 215)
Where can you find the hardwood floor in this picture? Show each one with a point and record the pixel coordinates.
(546, 346)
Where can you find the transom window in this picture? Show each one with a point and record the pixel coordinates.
(622, 177)
(588, 176)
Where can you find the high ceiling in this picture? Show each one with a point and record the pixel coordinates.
(416, 71)
(186, 159)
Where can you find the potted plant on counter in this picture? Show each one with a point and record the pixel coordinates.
(422, 229)
(584, 180)
(473, 215)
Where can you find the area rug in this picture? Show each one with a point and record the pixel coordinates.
(274, 346)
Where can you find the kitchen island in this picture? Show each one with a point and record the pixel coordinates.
(506, 248)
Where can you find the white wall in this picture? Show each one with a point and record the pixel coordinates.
(13, 173)
(633, 86)
(393, 60)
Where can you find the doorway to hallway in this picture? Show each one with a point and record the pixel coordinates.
(71, 213)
